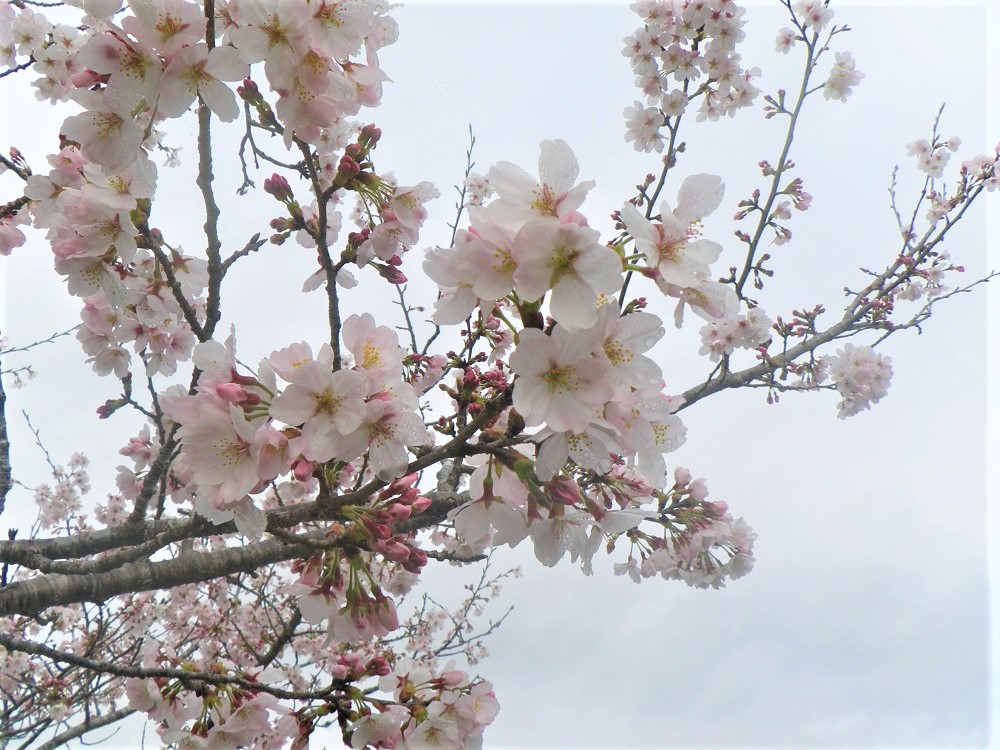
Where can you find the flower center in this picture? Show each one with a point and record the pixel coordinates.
(560, 379)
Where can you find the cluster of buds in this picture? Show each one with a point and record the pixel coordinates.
(802, 324)
(250, 94)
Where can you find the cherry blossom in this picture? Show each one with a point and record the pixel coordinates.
(106, 132)
(195, 71)
(166, 26)
(843, 78)
(529, 405)
(322, 399)
(667, 246)
(521, 197)
(560, 382)
(569, 260)
(861, 376)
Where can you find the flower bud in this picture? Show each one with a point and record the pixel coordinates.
(231, 393)
(564, 490)
(378, 666)
(399, 512)
(302, 469)
(249, 92)
(278, 186)
(391, 274)
(420, 504)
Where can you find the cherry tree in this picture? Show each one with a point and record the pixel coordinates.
(250, 574)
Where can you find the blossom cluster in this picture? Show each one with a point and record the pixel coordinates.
(155, 63)
(96, 201)
(862, 377)
(583, 386)
(721, 339)
(932, 158)
(683, 51)
(844, 76)
(561, 420)
(232, 448)
(810, 18)
(426, 709)
(690, 552)
(58, 504)
(91, 216)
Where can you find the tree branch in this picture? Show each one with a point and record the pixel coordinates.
(91, 724)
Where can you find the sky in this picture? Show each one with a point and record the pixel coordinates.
(865, 622)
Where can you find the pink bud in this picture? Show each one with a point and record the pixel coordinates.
(392, 275)
(396, 551)
(278, 186)
(248, 91)
(302, 469)
(378, 666)
(231, 393)
(716, 509)
(398, 511)
(417, 560)
(421, 504)
(404, 483)
(564, 490)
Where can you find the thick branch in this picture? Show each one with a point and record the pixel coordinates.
(35, 595)
(5, 478)
(28, 552)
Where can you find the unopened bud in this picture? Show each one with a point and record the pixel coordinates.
(564, 490)
(278, 186)
(420, 504)
(398, 511)
(391, 274)
(249, 92)
(302, 469)
(231, 393)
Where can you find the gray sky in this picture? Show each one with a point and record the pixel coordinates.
(865, 621)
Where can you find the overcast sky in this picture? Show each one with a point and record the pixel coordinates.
(865, 622)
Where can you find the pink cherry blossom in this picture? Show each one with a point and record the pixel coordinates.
(376, 349)
(106, 132)
(134, 71)
(667, 245)
(569, 260)
(560, 383)
(195, 71)
(521, 197)
(166, 25)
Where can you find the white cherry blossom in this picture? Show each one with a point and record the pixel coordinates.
(195, 71)
(521, 197)
(560, 383)
(569, 260)
(667, 245)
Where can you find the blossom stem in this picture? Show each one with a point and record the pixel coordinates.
(765, 212)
